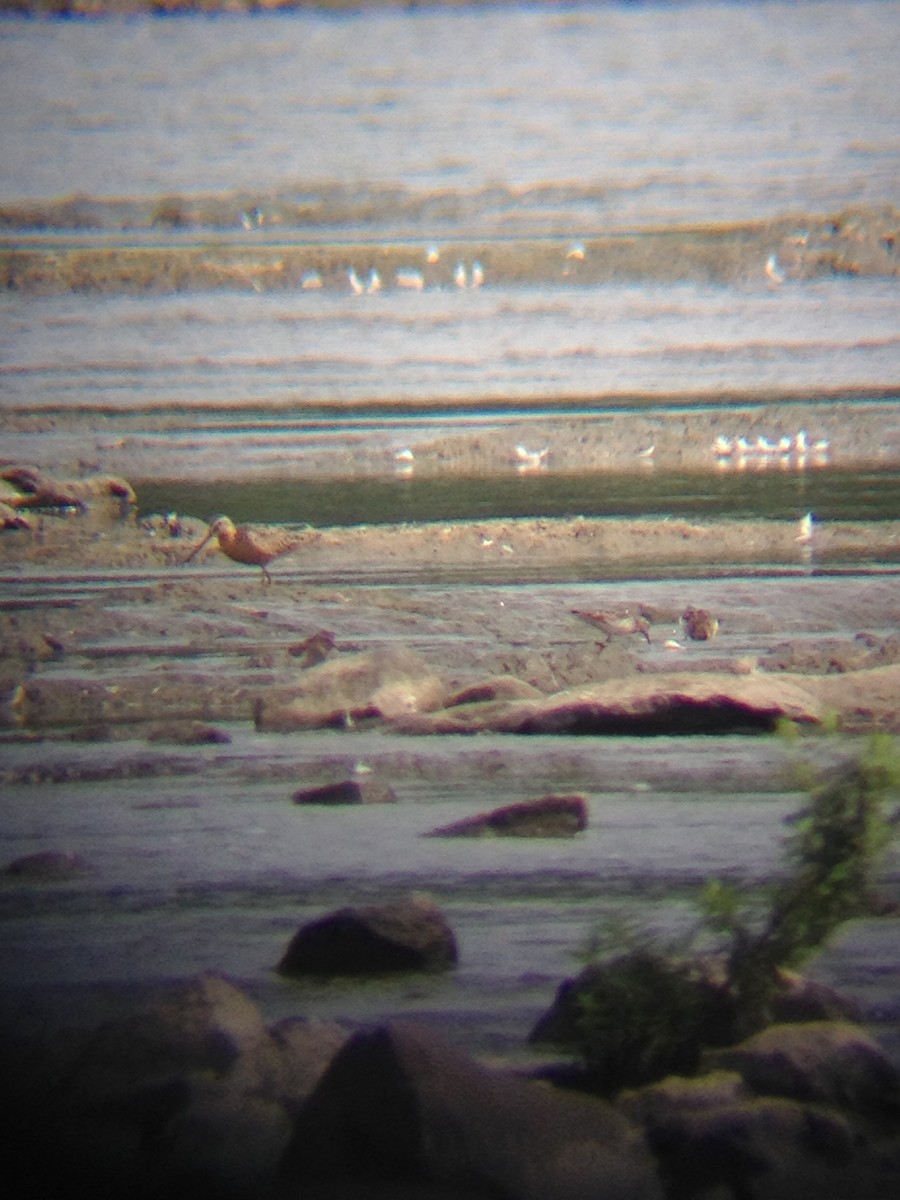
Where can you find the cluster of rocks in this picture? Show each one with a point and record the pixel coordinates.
(185, 1091)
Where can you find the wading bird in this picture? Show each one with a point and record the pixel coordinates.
(255, 545)
(613, 624)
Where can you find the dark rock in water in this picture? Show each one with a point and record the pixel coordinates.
(49, 865)
(551, 816)
(399, 1105)
(348, 791)
(410, 935)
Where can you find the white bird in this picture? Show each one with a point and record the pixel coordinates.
(459, 275)
(408, 277)
(784, 445)
(801, 445)
(356, 284)
(723, 446)
(805, 534)
(774, 269)
(374, 283)
(310, 280)
(647, 451)
(477, 274)
(764, 446)
(432, 255)
(531, 460)
(576, 252)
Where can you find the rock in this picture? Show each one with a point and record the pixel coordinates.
(399, 1105)
(685, 702)
(348, 791)
(183, 1091)
(807, 1000)
(385, 683)
(823, 1062)
(49, 866)
(187, 733)
(637, 1018)
(409, 935)
(768, 1149)
(551, 816)
(699, 624)
(500, 687)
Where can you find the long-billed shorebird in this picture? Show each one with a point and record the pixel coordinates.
(255, 545)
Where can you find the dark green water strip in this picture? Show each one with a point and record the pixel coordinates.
(832, 494)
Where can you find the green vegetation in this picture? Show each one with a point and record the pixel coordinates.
(649, 1013)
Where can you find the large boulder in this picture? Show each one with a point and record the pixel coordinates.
(550, 816)
(824, 1062)
(795, 1112)
(400, 1106)
(384, 683)
(685, 702)
(408, 935)
(182, 1090)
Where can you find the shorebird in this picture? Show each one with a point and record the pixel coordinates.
(531, 460)
(699, 624)
(409, 277)
(805, 530)
(477, 274)
(255, 545)
(613, 625)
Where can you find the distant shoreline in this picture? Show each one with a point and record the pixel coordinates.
(167, 8)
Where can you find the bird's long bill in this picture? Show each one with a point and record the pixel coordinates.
(196, 550)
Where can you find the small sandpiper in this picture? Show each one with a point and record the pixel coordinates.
(613, 625)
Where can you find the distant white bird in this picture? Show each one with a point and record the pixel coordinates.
(356, 284)
(532, 460)
(821, 447)
(374, 283)
(647, 452)
(576, 252)
(409, 277)
(459, 275)
(477, 274)
(805, 530)
(404, 455)
(723, 446)
(764, 446)
(784, 445)
(310, 280)
(801, 445)
(432, 255)
(774, 270)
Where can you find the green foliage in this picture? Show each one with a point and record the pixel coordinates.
(833, 850)
(642, 1017)
(648, 1013)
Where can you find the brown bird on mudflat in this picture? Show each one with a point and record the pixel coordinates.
(699, 623)
(612, 624)
(255, 545)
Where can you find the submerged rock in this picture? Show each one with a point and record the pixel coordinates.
(49, 865)
(401, 1106)
(409, 935)
(550, 816)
